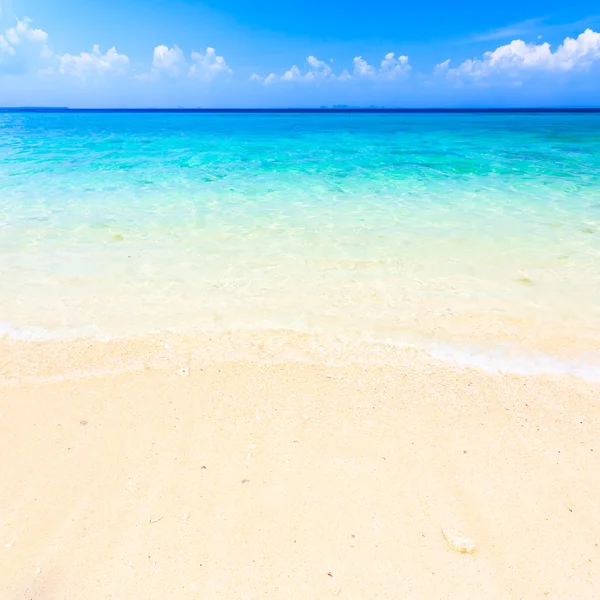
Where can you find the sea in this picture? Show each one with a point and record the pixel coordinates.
(471, 235)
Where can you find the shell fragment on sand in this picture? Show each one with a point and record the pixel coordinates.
(458, 543)
(153, 520)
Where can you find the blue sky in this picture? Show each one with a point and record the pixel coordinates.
(270, 53)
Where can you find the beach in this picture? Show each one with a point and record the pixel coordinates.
(293, 479)
(299, 356)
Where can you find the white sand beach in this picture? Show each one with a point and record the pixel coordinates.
(290, 479)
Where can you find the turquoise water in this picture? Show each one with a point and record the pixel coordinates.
(459, 230)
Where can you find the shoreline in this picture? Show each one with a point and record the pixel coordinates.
(46, 360)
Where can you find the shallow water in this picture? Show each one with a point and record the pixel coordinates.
(478, 233)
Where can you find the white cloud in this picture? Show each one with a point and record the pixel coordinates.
(442, 68)
(519, 58)
(95, 63)
(319, 67)
(168, 61)
(208, 65)
(22, 48)
(390, 67)
(317, 70)
(293, 75)
(22, 32)
(580, 52)
(172, 63)
(362, 68)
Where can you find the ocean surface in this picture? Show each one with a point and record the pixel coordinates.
(474, 236)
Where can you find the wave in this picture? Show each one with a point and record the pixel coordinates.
(317, 346)
(507, 360)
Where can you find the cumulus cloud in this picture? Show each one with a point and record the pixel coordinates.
(171, 62)
(318, 67)
(390, 67)
(25, 49)
(316, 70)
(208, 65)
(272, 78)
(22, 47)
(518, 58)
(168, 61)
(362, 68)
(22, 33)
(319, 70)
(442, 68)
(294, 75)
(88, 64)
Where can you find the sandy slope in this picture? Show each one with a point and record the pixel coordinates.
(243, 480)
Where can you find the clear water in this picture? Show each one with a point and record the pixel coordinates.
(460, 230)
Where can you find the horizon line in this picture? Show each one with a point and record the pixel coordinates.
(323, 109)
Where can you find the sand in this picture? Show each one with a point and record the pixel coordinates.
(293, 479)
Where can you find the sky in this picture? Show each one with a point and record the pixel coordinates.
(269, 53)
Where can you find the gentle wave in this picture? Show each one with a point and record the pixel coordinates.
(503, 360)
(497, 359)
